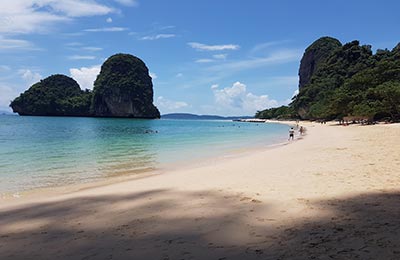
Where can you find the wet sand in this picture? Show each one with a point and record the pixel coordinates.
(334, 194)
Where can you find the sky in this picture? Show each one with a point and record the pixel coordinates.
(224, 57)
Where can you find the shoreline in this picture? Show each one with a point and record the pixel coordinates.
(333, 193)
(231, 154)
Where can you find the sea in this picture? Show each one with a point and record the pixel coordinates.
(43, 152)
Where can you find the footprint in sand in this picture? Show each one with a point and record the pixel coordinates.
(245, 198)
(250, 199)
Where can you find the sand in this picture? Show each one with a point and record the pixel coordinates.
(334, 194)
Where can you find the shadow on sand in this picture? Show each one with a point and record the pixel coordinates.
(144, 226)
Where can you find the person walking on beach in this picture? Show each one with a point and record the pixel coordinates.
(291, 133)
(301, 131)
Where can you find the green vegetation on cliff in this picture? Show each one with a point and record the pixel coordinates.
(122, 89)
(315, 55)
(350, 81)
(282, 112)
(53, 96)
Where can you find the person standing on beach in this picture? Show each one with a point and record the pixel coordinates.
(301, 130)
(291, 134)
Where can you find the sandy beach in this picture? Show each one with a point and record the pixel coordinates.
(334, 194)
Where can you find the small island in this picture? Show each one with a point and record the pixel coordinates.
(123, 88)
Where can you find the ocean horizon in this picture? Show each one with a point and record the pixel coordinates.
(42, 152)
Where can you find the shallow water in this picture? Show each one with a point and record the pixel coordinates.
(37, 152)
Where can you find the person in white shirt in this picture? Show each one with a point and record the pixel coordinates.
(291, 134)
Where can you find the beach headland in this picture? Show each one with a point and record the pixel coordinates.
(332, 195)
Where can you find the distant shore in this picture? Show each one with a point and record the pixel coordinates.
(333, 193)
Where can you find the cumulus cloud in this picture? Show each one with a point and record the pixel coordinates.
(7, 94)
(109, 20)
(238, 100)
(157, 37)
(29, 76)
(153, 75)
(8, 90)
(168, 105)
(85, 76)
(205, 47)
(289, 100)
(22, 16)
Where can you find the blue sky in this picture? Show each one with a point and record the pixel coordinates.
(227, 57)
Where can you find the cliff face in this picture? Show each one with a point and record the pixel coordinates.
(352, 81)
(314, 55)
(124, 89)
(57, 95)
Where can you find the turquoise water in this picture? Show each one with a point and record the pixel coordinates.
(37, 152)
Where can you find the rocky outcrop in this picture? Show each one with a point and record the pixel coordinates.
(124, 89)
(57, 95)
(314, 55)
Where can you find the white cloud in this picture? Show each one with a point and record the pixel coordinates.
(4, 68)
(8, 91)
(236, 100)
(289, 100)
(75, 8)
(153, 75)
(170, 105)
(216, 57)
(81, 57)
(29, 76)
(91, 48)
(7, 94)
(74, 44)
(85, 76)
(220, 56)
(109, 20)
(127, 2)
(23, 16)
(157, 37)
(7, 44)
(279, 57)
(107, 29)
(205, 47)
(204, 60)
(179, 75)
(264, 46)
